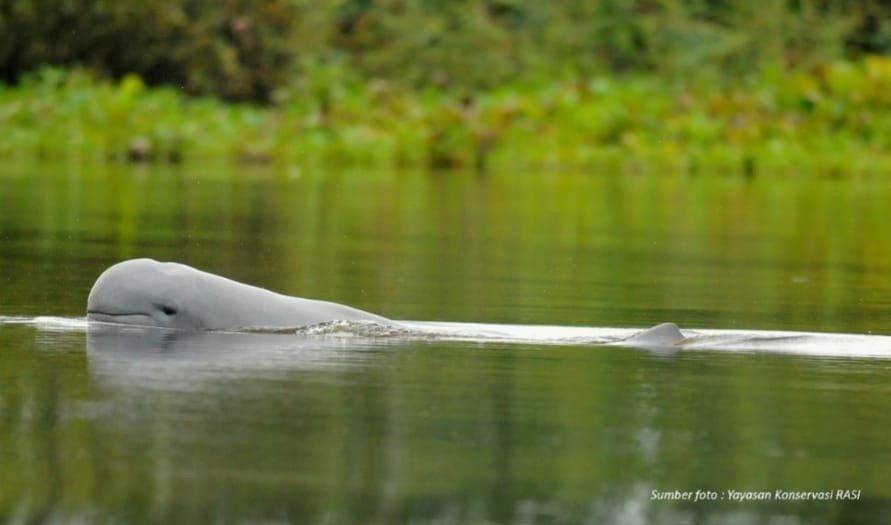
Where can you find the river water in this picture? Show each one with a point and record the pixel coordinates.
(139, 427)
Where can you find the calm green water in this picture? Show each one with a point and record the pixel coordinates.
(277, 429)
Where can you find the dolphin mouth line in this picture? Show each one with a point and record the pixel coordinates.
(115, 314)
(138, 318)
(123, 319)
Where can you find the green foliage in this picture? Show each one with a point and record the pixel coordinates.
(674, 84)
(256, 49)
(472, 44)
(237, 49)
(827, 119)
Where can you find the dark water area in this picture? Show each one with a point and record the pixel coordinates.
(247, 428)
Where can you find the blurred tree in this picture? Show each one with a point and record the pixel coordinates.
(238, 49)
(247, 49)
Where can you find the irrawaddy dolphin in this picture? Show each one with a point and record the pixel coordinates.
(171, 295)
(146, 292)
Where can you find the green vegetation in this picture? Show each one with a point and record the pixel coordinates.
(828, 119)
(235, 49)
(681, 85)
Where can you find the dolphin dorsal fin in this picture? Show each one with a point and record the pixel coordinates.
(665, 334)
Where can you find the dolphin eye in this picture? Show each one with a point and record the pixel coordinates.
(168, 310)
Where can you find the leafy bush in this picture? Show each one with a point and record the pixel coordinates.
(237, 49)
(826, 119)
(258, 49)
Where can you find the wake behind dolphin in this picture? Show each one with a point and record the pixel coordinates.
(361, 334)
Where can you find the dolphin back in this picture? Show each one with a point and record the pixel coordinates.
(232, 305)
(665, 334)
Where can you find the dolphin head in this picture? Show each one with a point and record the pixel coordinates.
(148, 293)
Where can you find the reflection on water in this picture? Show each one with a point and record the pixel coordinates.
(143, 425)
(139, 427)
(520, 248)
(167, 359)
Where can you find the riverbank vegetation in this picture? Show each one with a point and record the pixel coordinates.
(672, 85)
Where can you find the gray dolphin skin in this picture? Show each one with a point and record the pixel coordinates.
(661, 335)
(145, 292)
(170, 295)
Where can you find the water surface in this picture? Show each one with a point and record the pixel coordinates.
(244, 428)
